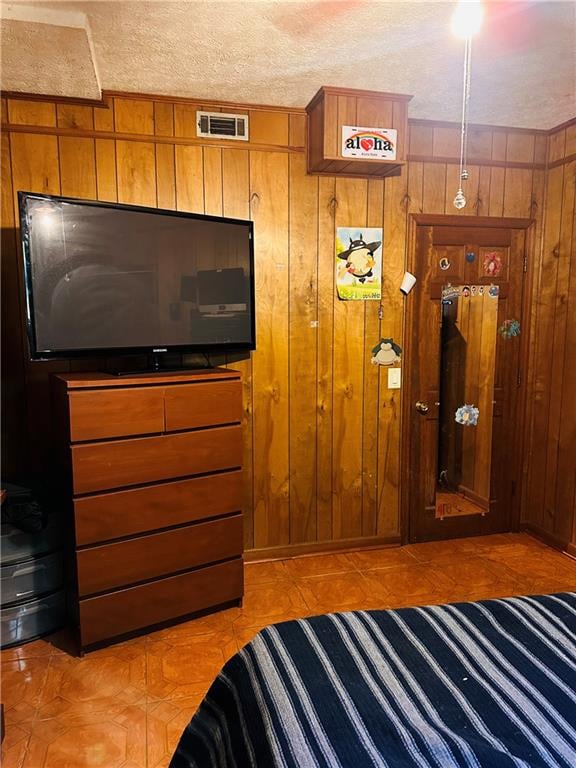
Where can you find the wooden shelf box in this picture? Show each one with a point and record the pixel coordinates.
(333, 108)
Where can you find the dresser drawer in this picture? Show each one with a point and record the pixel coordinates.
(120, 463)
(124, 611)
(125, 513)
(203, 405)
(98, 414)
(147, 557)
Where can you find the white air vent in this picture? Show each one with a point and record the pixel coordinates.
(218, 125)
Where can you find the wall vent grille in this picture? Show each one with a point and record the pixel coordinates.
(218, 125)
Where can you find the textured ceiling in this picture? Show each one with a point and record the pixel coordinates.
(523, 67)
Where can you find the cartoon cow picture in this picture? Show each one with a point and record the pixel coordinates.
(359, 258)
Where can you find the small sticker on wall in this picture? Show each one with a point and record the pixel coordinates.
(467, 415)
(492, 263)
(444, 263)
(470, 256)
(386, 352)
(450, 292)
(494, 291)
(465, 291)
(509, 329)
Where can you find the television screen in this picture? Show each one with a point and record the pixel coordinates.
(102, 277)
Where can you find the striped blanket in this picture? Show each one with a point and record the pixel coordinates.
(484, 684)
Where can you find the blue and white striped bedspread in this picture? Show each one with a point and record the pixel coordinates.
(487, 684)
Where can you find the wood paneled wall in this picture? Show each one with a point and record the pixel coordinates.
(322, 430)
(549, 503)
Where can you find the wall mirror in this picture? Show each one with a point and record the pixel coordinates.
(467, 371)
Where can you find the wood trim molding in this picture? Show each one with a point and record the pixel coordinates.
(234, 105)
(447, 220)
(317, 547)
(562, 126)
(548, 538)
(136, 96)
(146, 138)
(358, 93)
(470, 161)
(477, 126)
(562, 161)
(54, 99)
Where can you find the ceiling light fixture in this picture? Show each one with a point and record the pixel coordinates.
(466, 22)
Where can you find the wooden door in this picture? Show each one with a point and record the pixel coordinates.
(462, 251)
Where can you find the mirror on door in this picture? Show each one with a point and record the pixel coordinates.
(467, 369)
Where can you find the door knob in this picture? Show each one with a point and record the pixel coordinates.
(422, 407)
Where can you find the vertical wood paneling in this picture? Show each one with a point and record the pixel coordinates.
(185, 120)
(483, 198)
(132, 116)
(348, 385)
(235, 203)
(371, 410)
(269, 209)
(21, 112)
(136, 172)
(520, 147)
(163, 118)
(496, 200)
(549, 501)
(189, 179)
(395, 221)
(560, 405)
(303, 317)
(77, 167)
(297, 130)
(75, 116)
(269, 127)
(517, 192)
(545, 302)
(106, 183)
(566, 469)
(165, 176)
(434, 187)
(35, 168)
(327, 205)
(14, 451)
(213, 181)
(421, 140)
(321, 428)
(415, 173)
(104, 118)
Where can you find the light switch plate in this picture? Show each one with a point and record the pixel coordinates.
(394, 378)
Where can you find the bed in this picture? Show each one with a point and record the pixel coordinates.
(484, 684)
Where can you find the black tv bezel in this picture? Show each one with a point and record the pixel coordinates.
(39, 355)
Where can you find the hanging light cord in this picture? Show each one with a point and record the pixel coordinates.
(465, 104)
(463, 173)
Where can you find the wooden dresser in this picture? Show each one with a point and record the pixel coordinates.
(150, 468)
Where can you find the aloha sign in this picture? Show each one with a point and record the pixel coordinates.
(373, 143)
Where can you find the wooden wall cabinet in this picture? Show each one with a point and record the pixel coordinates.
(332, 108)
(150, 468)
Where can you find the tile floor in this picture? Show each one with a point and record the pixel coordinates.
(125, 706)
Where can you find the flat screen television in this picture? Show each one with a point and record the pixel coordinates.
(105, 278)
